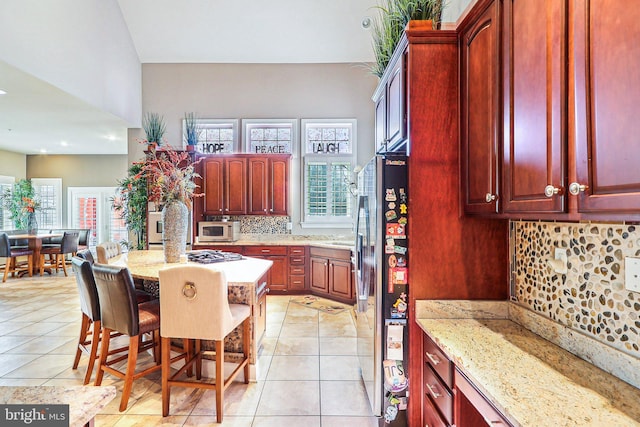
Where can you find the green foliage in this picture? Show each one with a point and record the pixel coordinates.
(20, 202)
(388, 28)
(131, 203)
(192, 129)
(154, 127)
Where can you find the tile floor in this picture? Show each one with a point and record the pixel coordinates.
(308, 374)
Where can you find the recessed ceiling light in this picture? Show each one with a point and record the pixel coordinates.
(366, 22)
(43, 150)
(64, 143)
(111, 137)
(2, 92)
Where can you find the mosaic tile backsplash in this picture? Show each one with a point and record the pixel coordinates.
(259, 224)
(590, 297)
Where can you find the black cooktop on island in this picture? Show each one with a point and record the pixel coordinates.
(210, 256)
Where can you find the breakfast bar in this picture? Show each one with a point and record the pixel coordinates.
(246, 279)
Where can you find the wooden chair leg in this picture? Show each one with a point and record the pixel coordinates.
(64, 264)
(246, 346)
(104, 352)
(12, 267)
(165, 354)
(7, 267)
(198, 354)
(30, 265)
(84, 327)
(131, 368)
(186, 347)
(93, 354)
(219, 379)
(41, 265)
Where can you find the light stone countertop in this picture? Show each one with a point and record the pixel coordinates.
(531, 381)
(326, 241)
(84, 401)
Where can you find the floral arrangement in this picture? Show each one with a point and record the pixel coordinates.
(169, 175)
(30, 205)
(20, 201)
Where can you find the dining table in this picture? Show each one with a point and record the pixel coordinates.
(35, 244)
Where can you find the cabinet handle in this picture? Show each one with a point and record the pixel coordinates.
(432, 358)
(265, 251)
(433, 390)
(550, 190)
(576, 188)
(489, 197)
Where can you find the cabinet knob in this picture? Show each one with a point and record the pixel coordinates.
(550, 190)
(576, 188)
(489, 197)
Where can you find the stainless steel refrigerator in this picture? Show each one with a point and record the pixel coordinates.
(382, 285)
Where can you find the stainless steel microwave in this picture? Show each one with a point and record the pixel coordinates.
(218, 231)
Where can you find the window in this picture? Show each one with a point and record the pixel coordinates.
(328, 158)
(217, 136)
(269, 136)
(90, 207)
(6, 183)
(49, 190)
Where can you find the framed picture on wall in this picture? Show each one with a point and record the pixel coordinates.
(270, 136)
(216, 136)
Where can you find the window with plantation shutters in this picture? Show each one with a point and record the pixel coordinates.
(6, 184)
(49, 192)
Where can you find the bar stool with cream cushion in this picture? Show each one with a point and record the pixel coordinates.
(194, 304)
(119, 311)
(10, 254)
(107, 250)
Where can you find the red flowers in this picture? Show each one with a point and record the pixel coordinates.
(29, 204)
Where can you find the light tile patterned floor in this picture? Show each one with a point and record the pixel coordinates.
(308, 373)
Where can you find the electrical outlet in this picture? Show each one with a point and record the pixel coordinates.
(559, 261)
(632, 274)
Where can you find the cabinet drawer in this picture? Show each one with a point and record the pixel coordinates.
(297, 269)
(430, 415)
(296, 282)
(296, 260)
(480, 403)
(298, 251)
(438, 361)
(265, 250)
(439, 393)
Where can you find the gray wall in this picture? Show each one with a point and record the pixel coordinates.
(259, 91)
(78, 171)
(13, 164)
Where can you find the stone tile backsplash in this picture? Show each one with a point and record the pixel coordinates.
(590, 297)
(259, 224)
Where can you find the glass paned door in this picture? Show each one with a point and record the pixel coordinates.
(90, 207)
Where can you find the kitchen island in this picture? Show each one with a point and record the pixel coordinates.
(246, 279)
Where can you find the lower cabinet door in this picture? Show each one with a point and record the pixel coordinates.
(430, 415)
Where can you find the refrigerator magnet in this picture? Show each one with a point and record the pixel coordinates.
(403, 209)
(391, 205)
(396, 231)
(403, 195)
(390, 215)
(395, 342)
(399, 275)
(393, 261)
(390, 195)
(400, 250)
(402, 220)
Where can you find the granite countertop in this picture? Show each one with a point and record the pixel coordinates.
(147, 264)
(84, 401)
(335, 241)
(530, 380)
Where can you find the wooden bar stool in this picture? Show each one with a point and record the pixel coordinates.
(194, 304)
(120, 311)
(10, 254)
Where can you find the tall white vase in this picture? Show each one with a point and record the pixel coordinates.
(175, 217)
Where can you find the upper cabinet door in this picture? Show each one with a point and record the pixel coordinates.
(534, 82)
(258, 186)
(396, 105)
(235, 186)
(381, 123)
(213, 176)
(480, 91)
(279, 185)
(607, 91)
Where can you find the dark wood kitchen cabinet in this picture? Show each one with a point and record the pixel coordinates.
(225, 185)
(480, 109)
(391, 103)
(472, 409)
(268, 185)
(535, 100)
(331, 274)
(277, 274)
(606, 76)
(298, 268)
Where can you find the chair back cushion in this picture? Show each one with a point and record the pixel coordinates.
(194, 303)
(69, 242)
(117, 296)
(5, 246)
(86, 254)
(106, 251)
(89, 303)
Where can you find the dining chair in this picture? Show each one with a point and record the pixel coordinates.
(108, 250)
(119, 311)
(68, 245)
(194, 304)
(10, 255)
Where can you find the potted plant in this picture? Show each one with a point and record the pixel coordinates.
(192, 131)
(394, 17)
(169, 175)
(22, 202)
(154, 128)
(131, 203)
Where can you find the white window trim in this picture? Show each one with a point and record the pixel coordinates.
(246, 123)
(57, 183)
(234, 125)
(326, 222)
(6, 180)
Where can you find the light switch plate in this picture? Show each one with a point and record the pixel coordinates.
(632, 274)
